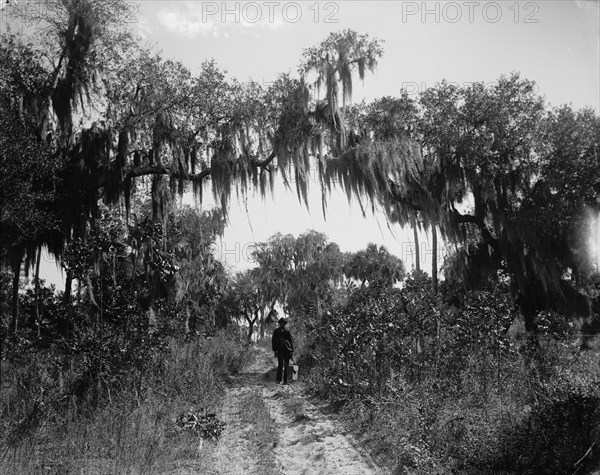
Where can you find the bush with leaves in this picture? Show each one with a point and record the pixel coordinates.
(370, 335)
(478, 326)
(561, 432)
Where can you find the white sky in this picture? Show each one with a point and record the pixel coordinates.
(555, 43)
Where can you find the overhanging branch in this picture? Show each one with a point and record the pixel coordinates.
(145, 170)
(150, 170)
(479, 222)
(264, 163)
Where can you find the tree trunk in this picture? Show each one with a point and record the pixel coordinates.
(17, 259)
(93, 302)
(68, 285)
(417, 250)
(434, 269)
(38, 319)
(263, 324)
(272, 316)
(251, 323)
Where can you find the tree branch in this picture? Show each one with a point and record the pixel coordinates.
(264, 163)
(478, 221)
(133, 171)
(468, 218)
(145, 170)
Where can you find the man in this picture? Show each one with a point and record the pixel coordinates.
(283, 347)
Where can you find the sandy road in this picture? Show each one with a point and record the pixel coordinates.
(309, 443)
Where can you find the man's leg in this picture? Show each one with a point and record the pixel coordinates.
(285, 369)
(280, 367)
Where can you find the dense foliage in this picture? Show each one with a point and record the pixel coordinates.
(438, 383)
(498, 148)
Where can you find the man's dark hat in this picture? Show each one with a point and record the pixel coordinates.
(282, 321)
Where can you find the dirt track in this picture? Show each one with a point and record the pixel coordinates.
(308, 443)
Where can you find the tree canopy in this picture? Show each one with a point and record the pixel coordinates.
(499, 173)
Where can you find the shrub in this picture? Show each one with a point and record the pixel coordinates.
(128, 424)
(228, 352)
(559, 429)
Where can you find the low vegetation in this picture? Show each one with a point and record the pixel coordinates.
(433, 386)
(59, 417)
